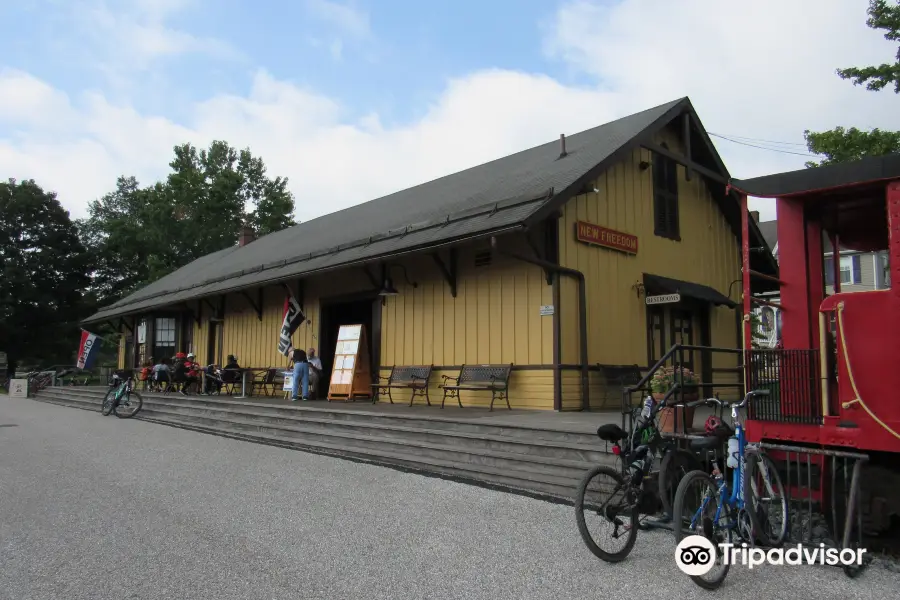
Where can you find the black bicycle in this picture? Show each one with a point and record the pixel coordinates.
(631, 489)
(122, 399)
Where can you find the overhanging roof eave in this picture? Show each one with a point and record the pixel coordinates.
(166, 300)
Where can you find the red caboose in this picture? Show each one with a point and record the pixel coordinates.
(838, 374)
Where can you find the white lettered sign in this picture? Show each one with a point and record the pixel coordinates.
(664, 299)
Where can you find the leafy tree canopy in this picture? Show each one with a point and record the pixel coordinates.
(43, 267)
(139, 234)
(841, 145)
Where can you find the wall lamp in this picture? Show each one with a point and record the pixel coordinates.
(387, 288)
(638, 287)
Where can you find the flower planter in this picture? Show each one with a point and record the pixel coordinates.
(669, 415)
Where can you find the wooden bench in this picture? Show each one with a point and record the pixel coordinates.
(493, 378)
(407, 377)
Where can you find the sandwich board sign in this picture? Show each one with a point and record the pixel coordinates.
(18, 388)
(663, 299)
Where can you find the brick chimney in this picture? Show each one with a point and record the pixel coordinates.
(755, 215)
(246, 235)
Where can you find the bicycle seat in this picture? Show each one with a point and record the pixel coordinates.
(706, 443)
(611, 433)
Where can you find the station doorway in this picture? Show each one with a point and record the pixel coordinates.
(338, 312)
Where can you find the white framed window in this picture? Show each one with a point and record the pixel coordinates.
(847, 270)
(850, 270)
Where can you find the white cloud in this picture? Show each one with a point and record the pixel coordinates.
(765, 72)
(349, 21)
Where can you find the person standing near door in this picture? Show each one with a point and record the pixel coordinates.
(301, 375)
(315, 373)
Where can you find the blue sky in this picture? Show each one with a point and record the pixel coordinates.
(371, 97)
(363, 56)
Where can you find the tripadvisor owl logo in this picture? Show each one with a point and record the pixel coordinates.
(695, 555)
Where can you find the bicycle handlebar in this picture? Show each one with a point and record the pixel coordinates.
(716, 401)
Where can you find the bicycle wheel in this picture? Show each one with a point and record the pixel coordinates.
(108, 400)
(765, 500)
(695, 514)
(676, 463)
(611, 503)
(130, 405)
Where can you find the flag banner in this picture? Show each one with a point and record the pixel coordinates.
(293, 317)
(88, 350)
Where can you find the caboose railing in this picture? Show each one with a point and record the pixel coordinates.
(793, 380)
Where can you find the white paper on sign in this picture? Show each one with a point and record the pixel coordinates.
(336, 377)
(353, 333)
(346, 377)
(348, 362)
(351, 347)
(288, 381)
(340, 348)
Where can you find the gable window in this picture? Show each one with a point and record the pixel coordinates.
(665, 197)
(850, 270)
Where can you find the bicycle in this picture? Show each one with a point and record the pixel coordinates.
(635, 460)
(743, 514)
(122, 394)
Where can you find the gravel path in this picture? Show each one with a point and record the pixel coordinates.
(98, 508)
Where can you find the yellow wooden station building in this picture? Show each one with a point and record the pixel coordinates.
(544, 259)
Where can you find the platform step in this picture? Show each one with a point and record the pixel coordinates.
(521, 459)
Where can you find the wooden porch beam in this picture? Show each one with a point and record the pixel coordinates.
(199, 312)
(681, 160)
(190, 311)
(686, 123)
(448, 271)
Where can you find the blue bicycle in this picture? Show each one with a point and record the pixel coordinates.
(751, 507)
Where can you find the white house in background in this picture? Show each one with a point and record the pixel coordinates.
(860, 271)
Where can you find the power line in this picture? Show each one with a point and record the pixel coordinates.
(764, 147)
(750, 139)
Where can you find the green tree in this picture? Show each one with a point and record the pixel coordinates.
(841, 145)
(43, 265)
(139, 234)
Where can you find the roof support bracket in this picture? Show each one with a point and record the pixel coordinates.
(686, 122)
(257, 305)
(211, 306)
(548, 273)
(123, 322)
(199, 312)
(681, 160)
(372, 278)
(190, 311)
(448, 271)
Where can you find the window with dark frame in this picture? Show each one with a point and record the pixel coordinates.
(665, 197)
(163, 338)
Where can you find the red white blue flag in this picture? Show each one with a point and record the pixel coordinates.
(88, 350)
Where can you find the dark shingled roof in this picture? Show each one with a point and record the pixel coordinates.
(495, 197)
(866, 170)
(769, 230)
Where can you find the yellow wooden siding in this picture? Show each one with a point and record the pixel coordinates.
(255, 341)
(494, 319)
(528, 389)
(709, 254)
